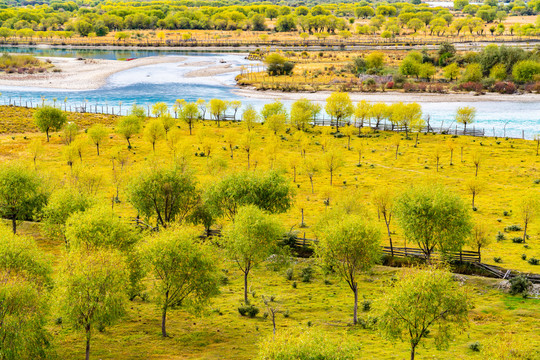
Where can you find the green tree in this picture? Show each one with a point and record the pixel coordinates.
(23, 298)
(339, 106)
(92, 291)
(250, 239)
(375, 61)
(48, 118)
(302, 113)
(21, 194)
(480, 238)
(250, 117)
(217, 109)
(185, 274)
(526, 71)
(190, 114)
(529, 208)
(473, 73)
(274, 108)
(433, 217)
(153, 132)
(426, 71)
(61, 205)
(465, 115)
(451, 71)
(97, 134)
(350, 245)
(129, 126)
(269, 191)
(98, 228)
(167, 193)
(424, 302)
(498, 72)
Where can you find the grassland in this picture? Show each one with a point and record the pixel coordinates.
(508, 169)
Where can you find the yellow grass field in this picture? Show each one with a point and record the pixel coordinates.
(508, 169)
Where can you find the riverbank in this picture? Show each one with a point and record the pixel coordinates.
(84, 74)
(389, 96)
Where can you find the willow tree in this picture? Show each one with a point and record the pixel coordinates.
(169, 194)
(129, 126)
(185, 273)
(48, 118)
(339, 106)
(25, 282)
(465, 115)
(190, 114)
(21, 194)
(250, 239)
(424, 302)
(97, 134)
(217, 108)
(351, 246)
(433, 217)
(92, 291)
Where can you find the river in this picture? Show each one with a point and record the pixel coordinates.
(147, 85)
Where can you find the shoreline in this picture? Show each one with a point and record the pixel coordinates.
(87, 74)
(388, 96)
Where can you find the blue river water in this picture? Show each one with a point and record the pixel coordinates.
(168, 82)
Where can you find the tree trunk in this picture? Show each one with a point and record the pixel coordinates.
(88, 335)
(451, 156)
(331, 175)
(129, 143)
(413, 348)
(14, 224)
(189, 128)
(246, 300)
(397, 148)
(164, 319)
(311, 180)
(473, 196)
(387, 222)
(355, 316)
(97, 147)
(47, 132)
(524, 231)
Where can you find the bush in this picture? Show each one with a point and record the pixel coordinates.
(471, 86)
(534, 261)
(307, 274)
(513, 228)
(497, 259)
(517, 240)
(249, 310)
(504, 87)
(523, 257)
(290, 274)
(500, 236)
(366, 305)
(475, 346)
(519, 285)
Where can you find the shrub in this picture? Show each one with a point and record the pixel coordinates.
(290, 274)
(517, 240)
(366, 305)
(249, 310)
(513, 228)
(307, 274)
(497, 259)
(475, 346)
(534, 261)
(504, 87)
(500, 236)
(519, 285)
(471, 86)
(523, 257)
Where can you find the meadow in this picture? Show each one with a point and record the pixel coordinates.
(509, 170)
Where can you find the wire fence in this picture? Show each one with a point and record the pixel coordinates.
(383, 125)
